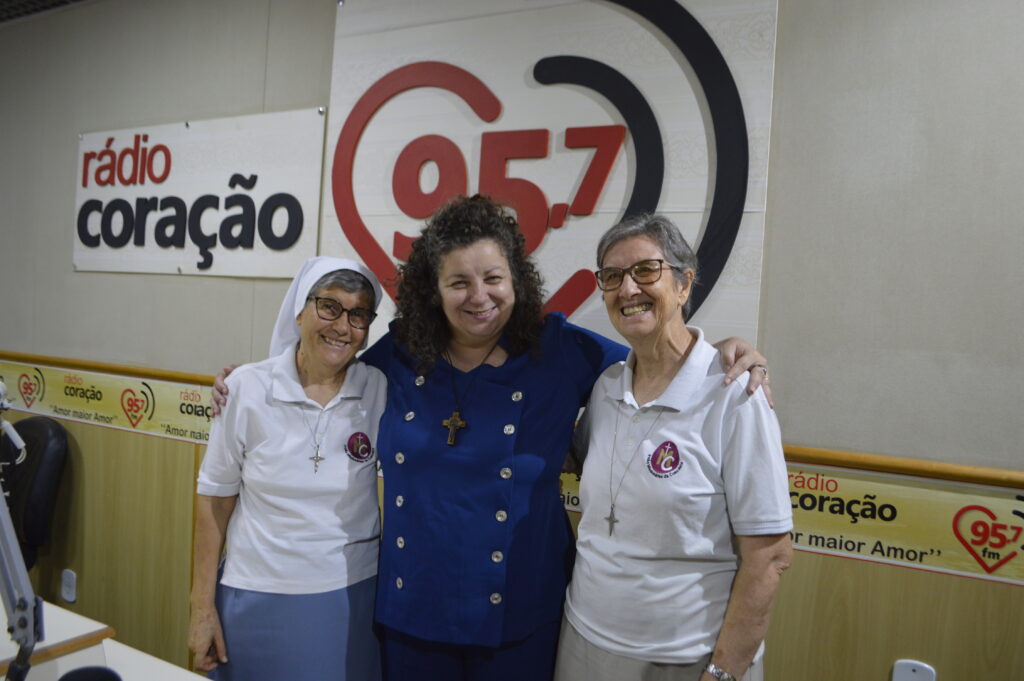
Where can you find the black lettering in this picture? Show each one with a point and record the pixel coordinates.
(170, 229)
(87, 238)
(195, 229)
(266, 221)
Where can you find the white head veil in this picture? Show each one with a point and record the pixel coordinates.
(286, 330)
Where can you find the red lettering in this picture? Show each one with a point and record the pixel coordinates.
(129, 153)
(606, 140)
(528, 200)
(143, 167)
(166, 153)
(132, 165)
(105, 173)
(452, 180)
(89, 155)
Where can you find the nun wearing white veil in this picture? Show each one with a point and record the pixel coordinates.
(288, 491)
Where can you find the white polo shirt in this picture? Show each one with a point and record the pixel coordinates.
(688, 471)
(295, 530)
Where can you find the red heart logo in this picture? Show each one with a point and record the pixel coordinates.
(28, 388)
(486, 105)
(988, 536)
(133, 406)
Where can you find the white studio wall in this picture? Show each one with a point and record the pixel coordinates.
(117, 64)
(889, 303)
(891, 309)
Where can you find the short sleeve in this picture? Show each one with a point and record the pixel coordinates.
(581, 436)
(754, 469)
(378, 355)
(220, 474)
(591, 352)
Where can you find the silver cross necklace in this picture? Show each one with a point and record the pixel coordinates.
(612, 520)
(318, 437)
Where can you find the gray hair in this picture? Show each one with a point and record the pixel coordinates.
(347, 280)
(661, 231)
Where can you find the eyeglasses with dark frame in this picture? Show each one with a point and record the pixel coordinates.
(643, 272)
(329, 309)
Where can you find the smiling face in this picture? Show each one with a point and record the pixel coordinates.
(645, 311)
(331, 345)
(477, 293)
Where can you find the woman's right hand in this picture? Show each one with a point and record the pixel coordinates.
(206, 639)
(220, 389)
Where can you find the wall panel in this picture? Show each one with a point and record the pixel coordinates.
(891, 298)
(124, 524)
(849, 620)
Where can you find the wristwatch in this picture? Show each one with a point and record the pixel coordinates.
(718, 672)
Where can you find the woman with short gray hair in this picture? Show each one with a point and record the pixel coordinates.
(686, 509)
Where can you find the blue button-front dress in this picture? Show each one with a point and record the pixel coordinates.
(476, 547)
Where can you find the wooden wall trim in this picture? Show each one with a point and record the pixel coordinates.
(108, 368)
(892, 464)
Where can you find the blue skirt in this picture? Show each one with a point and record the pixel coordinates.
(314, 637)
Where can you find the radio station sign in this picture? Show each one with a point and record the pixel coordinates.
(934, 525)
(233, 196)
(940, 526)
(574, 114)
(174, 410)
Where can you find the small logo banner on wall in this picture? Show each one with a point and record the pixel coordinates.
(232, 196)
(933, 525)
(174, 410)
(955, 528)
(574, 115)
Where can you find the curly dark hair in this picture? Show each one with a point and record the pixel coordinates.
(420, 324)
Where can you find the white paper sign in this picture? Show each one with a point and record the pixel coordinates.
(230, 197)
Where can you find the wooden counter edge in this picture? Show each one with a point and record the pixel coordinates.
(45, 653)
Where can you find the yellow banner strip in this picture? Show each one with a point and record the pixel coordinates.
(175, 410)
(956, 528)
(794, 454)
(952, 527)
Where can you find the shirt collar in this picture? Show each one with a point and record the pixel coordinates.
(686, 382)
(285, 385)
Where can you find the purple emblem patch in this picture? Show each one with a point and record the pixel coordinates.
(664, 462)
(358, 447)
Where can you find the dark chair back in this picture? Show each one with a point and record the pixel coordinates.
(91, 674)
(32, 484)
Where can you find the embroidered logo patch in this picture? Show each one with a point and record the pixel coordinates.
(358, 447)
(664, 462)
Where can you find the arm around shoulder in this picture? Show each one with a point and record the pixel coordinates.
(739, 356)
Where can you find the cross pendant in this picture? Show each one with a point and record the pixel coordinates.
(611, 520)
(453, 424)
(316, 459)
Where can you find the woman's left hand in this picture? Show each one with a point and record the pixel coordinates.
(738, 356)
(206, 639)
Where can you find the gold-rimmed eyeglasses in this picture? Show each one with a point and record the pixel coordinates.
(643, 272)
(329, 309)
